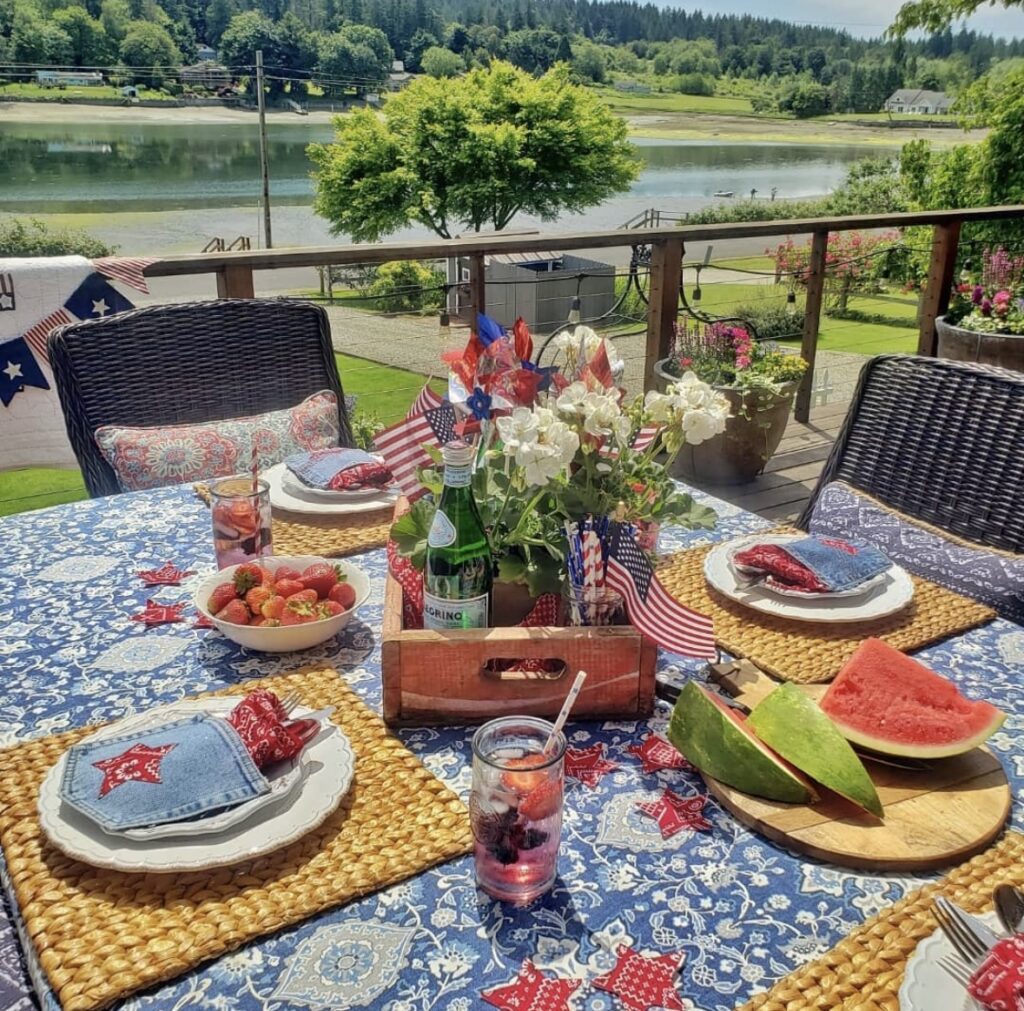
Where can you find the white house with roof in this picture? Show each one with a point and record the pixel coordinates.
(68, 78)
(919, 101)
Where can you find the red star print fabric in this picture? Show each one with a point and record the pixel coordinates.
(139, 762)
(167, 575)
(643, 982)
(531, 990)
(588, 765)
(656, 753)
(159, 614)
(673, 813)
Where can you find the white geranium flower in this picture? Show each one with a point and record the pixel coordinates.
(519, 428)
(573, 400)
(691, 407)
(540, 463)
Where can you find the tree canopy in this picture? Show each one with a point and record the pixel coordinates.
(471, 153)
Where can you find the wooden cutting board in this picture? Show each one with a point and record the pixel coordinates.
(936, 815)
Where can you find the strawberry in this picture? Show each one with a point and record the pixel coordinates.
(234, 611)
(286, 587)
(273, 607)
(247, 576)
(344, 594)
(523, 782)
(320, 577)
(221, 595)
(257, 597)
(302, 597)
(298, 612)
(287, 572)
(543, 801)
(328, 609)
(271, 622)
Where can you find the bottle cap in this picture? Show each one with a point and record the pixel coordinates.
(458, 454)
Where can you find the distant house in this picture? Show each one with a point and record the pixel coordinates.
(919, 101)
(206, 53)
(205, 74)
(68, 78)
(399, 76)
(635, 86)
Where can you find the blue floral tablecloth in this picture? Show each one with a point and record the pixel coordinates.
(744, 911)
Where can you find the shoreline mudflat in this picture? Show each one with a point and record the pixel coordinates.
(661, 126)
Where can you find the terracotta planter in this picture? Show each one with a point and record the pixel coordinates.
(752, 434)
(962, 345)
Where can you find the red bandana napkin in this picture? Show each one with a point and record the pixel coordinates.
(159, 614)
(259, 720)
(998, 985)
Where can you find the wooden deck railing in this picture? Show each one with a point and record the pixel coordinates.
(234, 271)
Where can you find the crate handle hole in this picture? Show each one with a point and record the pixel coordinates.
(510, 669)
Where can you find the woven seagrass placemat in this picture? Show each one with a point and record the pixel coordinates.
(101, 934)
(812, 653)
(329, 536)
(864, 971)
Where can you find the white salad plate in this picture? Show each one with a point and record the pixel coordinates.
(326, 767)
(281, 498)
(888, 597)
(927, 986)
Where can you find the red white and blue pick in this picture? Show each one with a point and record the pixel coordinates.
(588, 765)
(656, 753)
(531, 990)
(673, 813)
(642, 982)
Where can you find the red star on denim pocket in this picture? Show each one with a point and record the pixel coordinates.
(159, 614)
(167, 575)
(139, 762)
(642, 982)
(531, 990)
(656, 753)
(674, 813)
(588, 765)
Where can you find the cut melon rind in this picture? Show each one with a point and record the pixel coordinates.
(715, 739)
(890, 703)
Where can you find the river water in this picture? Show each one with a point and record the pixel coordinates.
(154, 187)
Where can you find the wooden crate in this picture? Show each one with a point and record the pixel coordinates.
(440, 677)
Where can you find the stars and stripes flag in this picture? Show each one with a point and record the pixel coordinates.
(426, 400)
(401, 445)
(36, 335)
(645, 437)
(649, 605)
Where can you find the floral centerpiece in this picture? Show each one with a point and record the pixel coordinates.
(756, 378)
(561, 447)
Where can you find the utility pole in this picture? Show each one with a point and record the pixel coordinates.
(264, 165)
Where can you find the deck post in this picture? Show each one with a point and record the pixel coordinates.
(945, 241)
(812, 322)
(477, 288)
(662, 303)
(235, 281)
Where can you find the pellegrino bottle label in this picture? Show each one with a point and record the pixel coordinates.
(440, 614)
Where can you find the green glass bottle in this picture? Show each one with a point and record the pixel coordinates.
(458, 574)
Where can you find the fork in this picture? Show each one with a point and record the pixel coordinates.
(955, 968)
(289, 702)
(960, 931)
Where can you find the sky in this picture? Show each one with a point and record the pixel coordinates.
(866, 18)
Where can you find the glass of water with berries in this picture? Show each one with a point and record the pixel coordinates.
(241, 520)
(516, 807)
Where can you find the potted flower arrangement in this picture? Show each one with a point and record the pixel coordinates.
(985, 319)
(566, 448)
(756, 379)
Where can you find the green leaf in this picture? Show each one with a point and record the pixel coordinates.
(410, 531)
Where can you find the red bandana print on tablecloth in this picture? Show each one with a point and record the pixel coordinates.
(411, 581)
(674, 813)
(159, 614)
(259, 721)
(531, 990)
(998, 985)
(642, 982)
(656, 753)
(588, 765)
(139, 762)
(167, 575)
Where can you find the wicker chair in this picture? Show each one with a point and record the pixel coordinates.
(939, 441)
(188, 363)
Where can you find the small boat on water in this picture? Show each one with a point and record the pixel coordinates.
(723, 193)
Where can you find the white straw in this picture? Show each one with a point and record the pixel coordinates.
(577, 686)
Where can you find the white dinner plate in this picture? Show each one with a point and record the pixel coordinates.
(281, 498)
(895, 593)
(327, 768)
(926, 985)
(291, 485)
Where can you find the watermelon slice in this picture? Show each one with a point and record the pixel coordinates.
(890, 703)
(716, 739)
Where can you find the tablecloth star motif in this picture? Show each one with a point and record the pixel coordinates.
(159, 614)
(100, 307)
(644, 981)
(673, 813)
(167, 575)
(588, 765)
(656, 753)
(202, 621)
(140, 762)
(13, 370)
(531, 990)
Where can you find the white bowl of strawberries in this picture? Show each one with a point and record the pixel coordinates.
(282, 602)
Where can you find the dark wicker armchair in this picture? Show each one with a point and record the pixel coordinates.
(188, 363)
(940, 441)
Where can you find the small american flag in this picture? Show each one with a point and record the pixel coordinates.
(426, 400)
(650, 606)
(645, 437)
(401, 445)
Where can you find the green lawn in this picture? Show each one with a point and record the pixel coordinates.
(382, 391)
(627, 102)
(105, 91)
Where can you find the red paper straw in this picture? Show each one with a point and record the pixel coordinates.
(255, 469)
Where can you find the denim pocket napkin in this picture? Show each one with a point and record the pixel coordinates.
(185, 768)
(838, 564)
(339, 469)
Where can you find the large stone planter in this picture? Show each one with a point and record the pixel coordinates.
(752, 434)
(962, 345)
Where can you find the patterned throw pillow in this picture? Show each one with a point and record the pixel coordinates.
(994, 577)
(155, 457)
